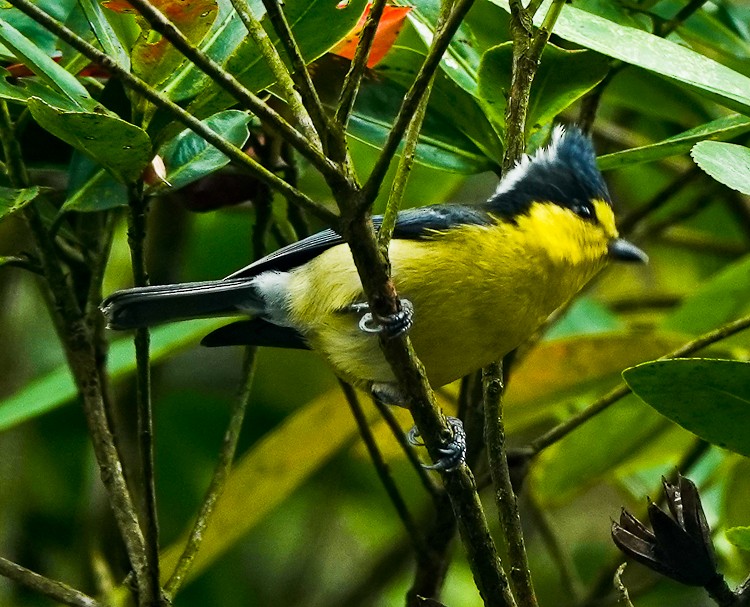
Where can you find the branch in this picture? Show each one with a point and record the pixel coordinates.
(507, 503)
(218, 482)
(57, 591)
(144, 407)
(300, 73)
(622, 390)
(411, 101)
(273, 59)
(191, 122)
(309, 147)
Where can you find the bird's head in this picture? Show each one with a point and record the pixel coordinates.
(558, 195)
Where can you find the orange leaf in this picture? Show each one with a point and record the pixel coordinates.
(386, 34)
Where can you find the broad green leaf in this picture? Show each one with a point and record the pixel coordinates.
(721, 299)
(317, 26)
(736, 493)
(740, 537)
(92, 188)
(727, 163)
(652, 53)
(105, 33)
(120, 147)
(440, 144)
(12, 200)
(19, 90)
(270, 472)
(57, 78)
(562, 78)
(727, 127)
(708, 397)
(189, 157)
(461, 59)
(57, 388)
(447, 98)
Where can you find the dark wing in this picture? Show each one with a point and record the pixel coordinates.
(415, 224)
(255, 332)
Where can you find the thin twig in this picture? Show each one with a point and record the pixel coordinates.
(359, 63)
(411, 101)
(415, 535)
(57, 591)
(620, 587)
(144, 407)
(218, 482)
(187, 119)
(622, 390)
(300, 73)
(76, 336)
(280, 71)
(505, 498)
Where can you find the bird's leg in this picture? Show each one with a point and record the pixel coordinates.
(454, 451)
(391, 326)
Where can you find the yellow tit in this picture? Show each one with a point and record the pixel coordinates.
(479, 279)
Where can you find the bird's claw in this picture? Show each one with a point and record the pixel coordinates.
(393, 325)
(454, 452)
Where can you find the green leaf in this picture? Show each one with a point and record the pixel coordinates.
(727, 127)
(120, 147)
(20, 90)
(269, 473)
(12, 200)
(562, 78)
(317, 25)
(440, 144)
(458, 107)
(105, 33)
(652, 53)
(92, 188)
(461, 59)
(708, 397)
(721, 299)
(57, 388)
(740, 537)
(57, 78)
(189, 157)
(727, 163)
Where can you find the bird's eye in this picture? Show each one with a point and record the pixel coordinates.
(583, 210)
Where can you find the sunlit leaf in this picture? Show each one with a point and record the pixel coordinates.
(105, 33)
(727, 127)
(727, 163)
(56, 388)
(664, 57)
(188, 157)
(122, 148)
(12, 200)
(708, 397)
(740, 537)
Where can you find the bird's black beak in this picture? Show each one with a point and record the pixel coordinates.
(623, 250)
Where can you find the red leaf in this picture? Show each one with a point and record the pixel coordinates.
(388, 30)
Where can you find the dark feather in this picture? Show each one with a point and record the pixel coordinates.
(255, 332)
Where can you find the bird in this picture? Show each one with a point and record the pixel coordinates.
(475, 281)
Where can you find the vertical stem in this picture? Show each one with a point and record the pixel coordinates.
(144, 406)
(507, 504)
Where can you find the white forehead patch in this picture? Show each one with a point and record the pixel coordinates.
(545, 155)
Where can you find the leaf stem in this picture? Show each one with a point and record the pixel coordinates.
(190, 121)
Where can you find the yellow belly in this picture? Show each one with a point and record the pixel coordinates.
(474, 302)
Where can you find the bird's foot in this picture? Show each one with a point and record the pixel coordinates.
(454, 451)
(393, 325)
